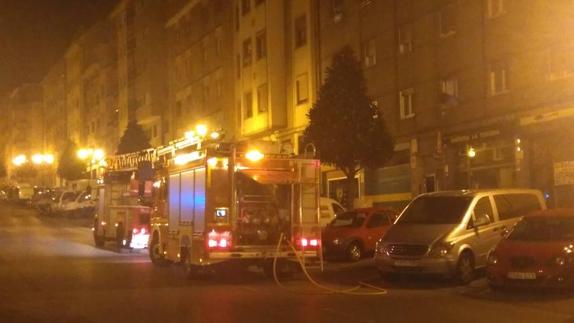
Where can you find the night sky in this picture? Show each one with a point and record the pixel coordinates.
(35, 33)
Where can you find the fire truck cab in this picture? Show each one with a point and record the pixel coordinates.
(123, 207)
(222, 203)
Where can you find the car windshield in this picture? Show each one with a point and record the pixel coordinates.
(544, 229)
(435, 210)
(349, 219)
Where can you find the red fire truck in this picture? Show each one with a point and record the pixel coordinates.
(124, 202)
(220, 203)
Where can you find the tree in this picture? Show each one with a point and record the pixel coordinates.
(70, 167)
(134, 139)
(346, 128)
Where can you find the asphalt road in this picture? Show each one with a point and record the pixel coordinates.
(51, 272)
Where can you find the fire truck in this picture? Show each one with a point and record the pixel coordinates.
(124, 200)
(222, 203)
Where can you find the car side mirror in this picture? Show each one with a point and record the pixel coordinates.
(482, 219)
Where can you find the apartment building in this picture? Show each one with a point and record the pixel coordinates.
(275, 47)
(475, 92)
(138, 33)
(25, 114)
(200, 66)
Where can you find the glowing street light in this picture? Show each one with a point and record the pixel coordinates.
(98, 154)
(37, 159)
(254, 155)
(471, 153)
(19, 160)
(201, 130)
(84, 153)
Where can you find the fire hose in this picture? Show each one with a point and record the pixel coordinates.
(328, 289)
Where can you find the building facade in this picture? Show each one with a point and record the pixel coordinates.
(200, 66)
(138, 33)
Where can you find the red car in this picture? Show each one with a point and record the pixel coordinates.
(353, 234)
(538, 252)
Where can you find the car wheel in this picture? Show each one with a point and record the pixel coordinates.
(155, 254)
(354, 251)
(465, 268)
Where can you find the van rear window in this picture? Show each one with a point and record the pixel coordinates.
(515, 205)
(435, 210)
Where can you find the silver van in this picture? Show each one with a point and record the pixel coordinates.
(452, 232)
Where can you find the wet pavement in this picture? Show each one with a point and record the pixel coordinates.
(51, 272)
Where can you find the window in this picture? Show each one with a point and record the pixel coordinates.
(561, 64)
(405, 39)
(449, 91)
(369, 50)
(406, 103)
(494, 8)
(302, 89)
(378, 220)
(300, 31)
(262, 98)
(248, 105)
(447, 21)
(514, 205)
(247, 52)
(245, 6)
(449, 86)
(482, 207)
(337, 10)
(260, 45)
(498, 77)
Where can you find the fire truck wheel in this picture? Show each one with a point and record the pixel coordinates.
(190, 270)
(155, 254)
(98, 240)
(120, 235)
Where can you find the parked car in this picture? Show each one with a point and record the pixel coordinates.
(328, 209)
(40, 193)
(353, 234)
(82, 205)
(451, 233)
(59, 201)
(44, 201)
(538, 252)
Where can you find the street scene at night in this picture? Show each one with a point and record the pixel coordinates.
(286, 161)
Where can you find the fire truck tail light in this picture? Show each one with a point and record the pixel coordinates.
(220, 240)
(306, 242)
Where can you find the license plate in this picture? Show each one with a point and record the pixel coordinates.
(515, 275)
(405, 263)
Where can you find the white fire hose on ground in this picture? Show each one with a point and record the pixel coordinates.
(350, 291)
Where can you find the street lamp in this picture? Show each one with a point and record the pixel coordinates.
(94, 156)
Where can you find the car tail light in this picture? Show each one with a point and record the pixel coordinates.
(219, 240)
